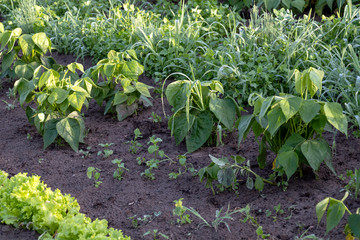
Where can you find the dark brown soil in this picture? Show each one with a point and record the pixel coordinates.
(118, 201)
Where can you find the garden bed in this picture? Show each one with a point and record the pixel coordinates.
(119, 201)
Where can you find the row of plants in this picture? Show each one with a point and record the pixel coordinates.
(28, 202)
(207, 41)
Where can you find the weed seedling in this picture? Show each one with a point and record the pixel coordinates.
(29, 137)
(120, 169)
(155, 233)
(94, 173)
(106, 152)
(134, 144)
(85, 153)
(354, 183)
(9, 106)
(180, 212)
(260, 233)
(136, 221)
(183, 168)
(155, 118)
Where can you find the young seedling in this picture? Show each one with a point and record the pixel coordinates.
(153, 162)
(134, 144)
(94, 173)
(180, 212)
(155, 118)
(136, 221)
(29, 137)
(183, 168)
(9, 106)
(155, 234)
(354, 183)
(118, 174)
(85, 153)
(106, 152)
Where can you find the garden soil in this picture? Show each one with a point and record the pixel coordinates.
(137, 197)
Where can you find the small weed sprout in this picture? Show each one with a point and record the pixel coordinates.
(118, 174)
(29, 137)
(9, 106)
(94, 173)
(183, 168)
(155, 233)
(155, 118)
(106, 152)
(85, 153)
(134, 144)
(136, 221)
(354, 183)
(180, 212)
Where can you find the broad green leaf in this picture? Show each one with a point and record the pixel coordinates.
(289, 161)
(124, 110)
(261, 158)
(334, 214)
(109, 70)
(294, 140)
(300, 82)
(41, 98)
(200, 131)
(69, 130)
(177, 93)
(145, 101)
(77, 99)
(27, 44)
(244, 126)
(224, 110)
(24, 88)
(314, 80)
(259, 184)
(318, 123)
(58, 95)
(321, 208)
(24, 71)
(357, 184)
(143, 89)
(276, 118)
(256, 128)
(290, 105)
(50, 132)
(335, 116)
(298, 4)
(287, 3)
(1, 27)
(249, 183)
(119, 98)
(76, 115)
(354, 224)
(42, 41)
(48, 79)
(271, 4)
(5, 38)
(7, 60)
(316, 151)
(308, 110)
(226, 177)
(180, 126)
(219, 161)
(330, 4)
(265, 106)
(73, 66)
(132, 70)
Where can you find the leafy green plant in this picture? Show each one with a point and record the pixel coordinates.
(292, 126)
(94, 173)
(155, 233)
(106, 152)
(225, 172)
(118, 174)
(354, 183)
(21, 53)
(59, 97)
(120, 88)
(154, 162)
(27, 201)
(180, 212)
(335, 210)
(134, 144)
(85, 153)
(197, 106)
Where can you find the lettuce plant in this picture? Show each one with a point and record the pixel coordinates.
(198, 107)
(291, 126)
(120, 88)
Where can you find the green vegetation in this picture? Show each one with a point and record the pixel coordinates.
(26, 201)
